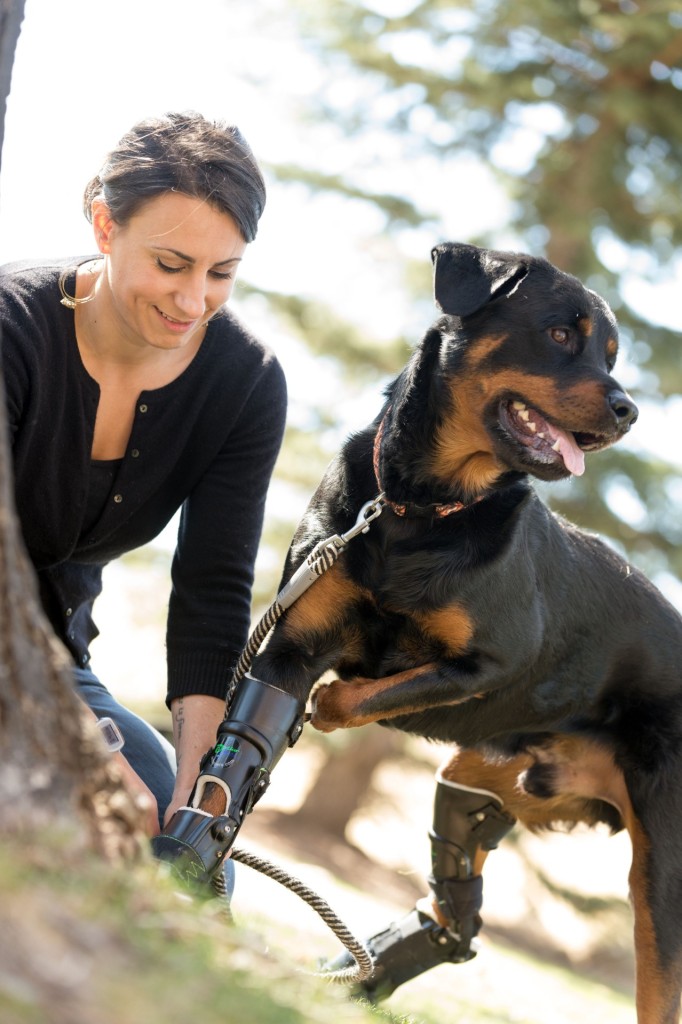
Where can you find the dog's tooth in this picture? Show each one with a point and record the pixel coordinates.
(532, 426)
(518, 406)
(524, 414)
(556, 446)
(542, 435)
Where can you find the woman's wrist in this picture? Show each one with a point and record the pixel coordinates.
(195, 726)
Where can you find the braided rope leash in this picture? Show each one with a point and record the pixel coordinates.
(320, 560)
(364, 964)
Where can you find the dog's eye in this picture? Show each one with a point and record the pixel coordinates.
(561, 335)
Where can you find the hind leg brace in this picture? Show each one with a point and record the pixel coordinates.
(466, 823)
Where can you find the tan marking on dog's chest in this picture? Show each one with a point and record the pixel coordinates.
(323, 605)
(451, 626)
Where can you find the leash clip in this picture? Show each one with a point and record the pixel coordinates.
(324, 554)
(367, 514)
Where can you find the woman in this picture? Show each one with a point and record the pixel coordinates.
(132, 392)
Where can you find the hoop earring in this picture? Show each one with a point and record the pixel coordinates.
(70, 301)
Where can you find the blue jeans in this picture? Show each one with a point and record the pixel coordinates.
(147, 752)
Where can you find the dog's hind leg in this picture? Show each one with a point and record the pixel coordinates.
(477, 801)
(585, 768)
(659, 976)
(468, 822)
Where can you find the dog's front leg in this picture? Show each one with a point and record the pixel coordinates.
(313, 635)
(347, 705)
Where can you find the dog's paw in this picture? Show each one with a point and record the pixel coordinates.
(327, 707)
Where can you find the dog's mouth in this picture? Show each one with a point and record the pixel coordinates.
(545, 443)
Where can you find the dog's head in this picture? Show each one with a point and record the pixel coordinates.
(531, 352)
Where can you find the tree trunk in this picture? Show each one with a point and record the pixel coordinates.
(11, 17)
(54, 771)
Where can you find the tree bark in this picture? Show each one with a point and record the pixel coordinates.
(54, 771)
(11, 17)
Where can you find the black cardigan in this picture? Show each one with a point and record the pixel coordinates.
(205, 443)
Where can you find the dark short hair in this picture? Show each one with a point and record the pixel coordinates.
(184, 153)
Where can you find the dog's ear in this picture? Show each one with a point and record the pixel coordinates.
(466, 277)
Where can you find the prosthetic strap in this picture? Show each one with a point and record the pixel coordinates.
(262, 721)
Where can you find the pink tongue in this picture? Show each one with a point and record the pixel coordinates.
(574, 457)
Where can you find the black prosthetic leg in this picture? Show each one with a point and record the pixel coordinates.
(262, 721)
(465, 822)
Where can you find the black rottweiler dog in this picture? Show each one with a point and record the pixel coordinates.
(471, 614)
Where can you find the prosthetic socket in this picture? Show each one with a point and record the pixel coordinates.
(261, 722)
(465, 822)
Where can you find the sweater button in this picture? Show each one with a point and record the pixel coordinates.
(143, 407)
(68, 612)
(118, 498)
(135, 453)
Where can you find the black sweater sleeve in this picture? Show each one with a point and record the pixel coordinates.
(218, 537)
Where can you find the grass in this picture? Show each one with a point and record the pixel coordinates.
(81, 943)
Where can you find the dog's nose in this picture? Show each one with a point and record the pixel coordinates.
(624, 409)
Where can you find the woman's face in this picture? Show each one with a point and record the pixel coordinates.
(168, 269)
